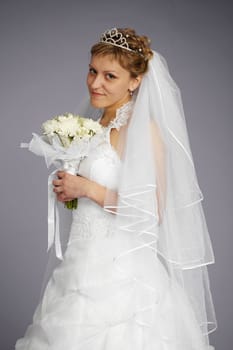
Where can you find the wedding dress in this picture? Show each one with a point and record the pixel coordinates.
(88, 303)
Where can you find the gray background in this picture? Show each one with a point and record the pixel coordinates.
(43, 63)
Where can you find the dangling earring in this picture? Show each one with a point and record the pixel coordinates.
(131, 92)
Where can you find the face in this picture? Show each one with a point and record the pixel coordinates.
(109, 83)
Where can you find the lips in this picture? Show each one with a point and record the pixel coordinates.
(94, 93)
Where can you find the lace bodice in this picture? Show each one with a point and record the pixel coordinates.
(122, 115)
(102, 165)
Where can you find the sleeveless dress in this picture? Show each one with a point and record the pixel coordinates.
(87, 303)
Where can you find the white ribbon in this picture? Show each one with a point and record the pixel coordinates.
(53, 219)
(53, 213)
(67, 159)
(70, 167)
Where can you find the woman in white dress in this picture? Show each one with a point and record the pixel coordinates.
(133, 274)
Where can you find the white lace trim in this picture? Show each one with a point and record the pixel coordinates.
(122, 115)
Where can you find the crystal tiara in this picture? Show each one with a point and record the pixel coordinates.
(116, 38)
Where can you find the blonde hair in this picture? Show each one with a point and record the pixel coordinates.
(135, 62)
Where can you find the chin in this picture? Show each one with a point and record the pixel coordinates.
(97, 104)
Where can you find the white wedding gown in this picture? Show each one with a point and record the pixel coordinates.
(89, 304)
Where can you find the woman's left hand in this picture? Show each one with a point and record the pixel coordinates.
(68, 187)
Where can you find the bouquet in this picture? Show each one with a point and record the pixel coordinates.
(73, 132)
(64, 143)
(70, 128)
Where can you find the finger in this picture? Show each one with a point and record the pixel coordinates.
(68, 199)
(60, 174)
(58, 189)
(61, 197)
(57, 182)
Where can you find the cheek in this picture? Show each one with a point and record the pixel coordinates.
(88, 80)
(122, 88)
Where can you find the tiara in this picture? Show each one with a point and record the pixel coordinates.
(116, 38)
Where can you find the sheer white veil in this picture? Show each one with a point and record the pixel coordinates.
(158, 204)
(158, 199)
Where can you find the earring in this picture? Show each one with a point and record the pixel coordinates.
(131, 92)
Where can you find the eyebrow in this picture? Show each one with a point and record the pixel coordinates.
(105, 71)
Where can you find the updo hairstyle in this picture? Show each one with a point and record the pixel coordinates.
(135, 62)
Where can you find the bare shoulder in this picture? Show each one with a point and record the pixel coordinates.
(114, 136)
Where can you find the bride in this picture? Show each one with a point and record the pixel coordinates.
(134, 270)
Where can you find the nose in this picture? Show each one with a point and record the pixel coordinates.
(96, 81)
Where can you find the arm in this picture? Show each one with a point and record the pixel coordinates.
(68, 187)
(160, 164)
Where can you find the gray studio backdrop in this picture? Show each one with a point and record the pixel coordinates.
(43, 63)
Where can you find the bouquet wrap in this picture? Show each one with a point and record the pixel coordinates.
(64, 144)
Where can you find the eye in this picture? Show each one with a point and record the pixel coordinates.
(110, 76)
(92, 71)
